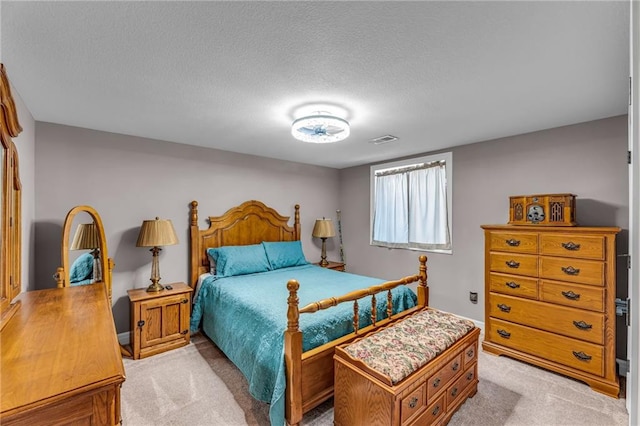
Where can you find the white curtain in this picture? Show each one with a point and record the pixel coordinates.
(390, 222)
(428, 206)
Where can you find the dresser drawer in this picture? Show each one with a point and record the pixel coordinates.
(441, 378)
(576, 323)
(518, 264)
(470, 354)
(413, 403)
(574, 353)
(575, 295)
(432, 414)
(515, 242)
(574, 270)
(514, 285)
(567, 245)
(456, 390)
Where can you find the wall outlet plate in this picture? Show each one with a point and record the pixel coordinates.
(473, 297)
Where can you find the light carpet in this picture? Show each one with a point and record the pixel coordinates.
(197, 385)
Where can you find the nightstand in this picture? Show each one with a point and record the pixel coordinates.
(336, 266)
(159, 320)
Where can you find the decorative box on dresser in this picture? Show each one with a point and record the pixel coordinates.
(159, 320)
(550, 299)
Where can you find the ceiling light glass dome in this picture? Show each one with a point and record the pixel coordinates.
(321, 127)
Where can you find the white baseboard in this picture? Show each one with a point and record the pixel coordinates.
(124, 338)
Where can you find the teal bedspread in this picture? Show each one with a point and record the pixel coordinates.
(246, 316)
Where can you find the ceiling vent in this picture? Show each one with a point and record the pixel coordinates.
(383, 139)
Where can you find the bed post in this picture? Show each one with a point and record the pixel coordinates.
(296, 222)
(293, 356)
(423, 289)
(195, 244)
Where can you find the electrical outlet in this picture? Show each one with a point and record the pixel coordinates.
(473, 297)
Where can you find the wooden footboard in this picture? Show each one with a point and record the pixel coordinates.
(310, 374)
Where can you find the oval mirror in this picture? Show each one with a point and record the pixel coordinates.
(85, 259)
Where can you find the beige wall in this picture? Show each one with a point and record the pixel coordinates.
(588, 160)
(129, 179)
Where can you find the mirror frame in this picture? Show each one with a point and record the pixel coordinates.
(62, 276)
(10, 219)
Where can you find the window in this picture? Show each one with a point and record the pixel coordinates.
(411, 204)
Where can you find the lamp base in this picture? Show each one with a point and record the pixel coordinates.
(155, 287)
(323, 255)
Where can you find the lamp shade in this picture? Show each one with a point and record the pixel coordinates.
(86, 237)
(156, 233)
(323, 229)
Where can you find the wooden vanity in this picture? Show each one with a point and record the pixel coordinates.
(61, 359)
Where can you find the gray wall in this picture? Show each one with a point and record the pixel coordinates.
(25, 144)
(129, 179)
(588, 160)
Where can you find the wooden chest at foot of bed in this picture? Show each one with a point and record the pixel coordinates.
(428, 395)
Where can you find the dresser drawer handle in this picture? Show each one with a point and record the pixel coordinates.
(455, 366)
(571, 295)
(512, 242)
(436, 382)
(571, 246)
(512, 284)
(504, 308)
(469, 376)
(513, 264)
(413, 402)
(582, 325)
(582, 356)
(454, 391)
(435, 411)
(184, 332)
(570, 270)
(505, 334)
(470, 353)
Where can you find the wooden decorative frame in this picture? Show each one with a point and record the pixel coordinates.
(10, 220)
(309, 374)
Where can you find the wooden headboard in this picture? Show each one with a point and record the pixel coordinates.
(249, 223)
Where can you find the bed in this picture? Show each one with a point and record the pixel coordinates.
(254, 313)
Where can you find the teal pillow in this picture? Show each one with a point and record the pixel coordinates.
(239, 260)
(284, 254)
(82, 268)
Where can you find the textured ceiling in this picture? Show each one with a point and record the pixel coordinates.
(233, 75)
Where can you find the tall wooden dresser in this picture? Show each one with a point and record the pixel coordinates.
(550, 299)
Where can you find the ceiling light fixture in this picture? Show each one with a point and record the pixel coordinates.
(321, 127)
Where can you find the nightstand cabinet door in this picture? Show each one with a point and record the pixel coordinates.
(160, 321)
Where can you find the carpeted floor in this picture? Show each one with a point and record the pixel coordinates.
(197, 385)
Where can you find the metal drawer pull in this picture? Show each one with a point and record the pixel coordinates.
(184, 331)
(512, 284)
(512, 242)
(435, 411)
(455, 366)
(454, 391)
(512, 264)
(504, 333)
(571, 295)
(504, 308)
(571, 246)
(141, 323)
(570, 270)
(436, 382)
(582, 325)
(470, 353)
(184, 301)
(413, 402)
(469, 376)
(582, 356)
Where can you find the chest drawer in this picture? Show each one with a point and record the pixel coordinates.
(514, 242)
(441, 378)
(574, 295)
(413, 403)
(567, 245)
(574, 353)
(573, 270)
(576, 323)
(514, 285)
(518, 264)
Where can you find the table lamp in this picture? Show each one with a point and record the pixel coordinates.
(323, 229)
(156, 233)
(86, 238)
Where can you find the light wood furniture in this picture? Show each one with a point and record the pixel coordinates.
(336, 266)
(159, 320)
(11, 203)
(550, 299)
(429, 396)
(309, 374)
(61, 361)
